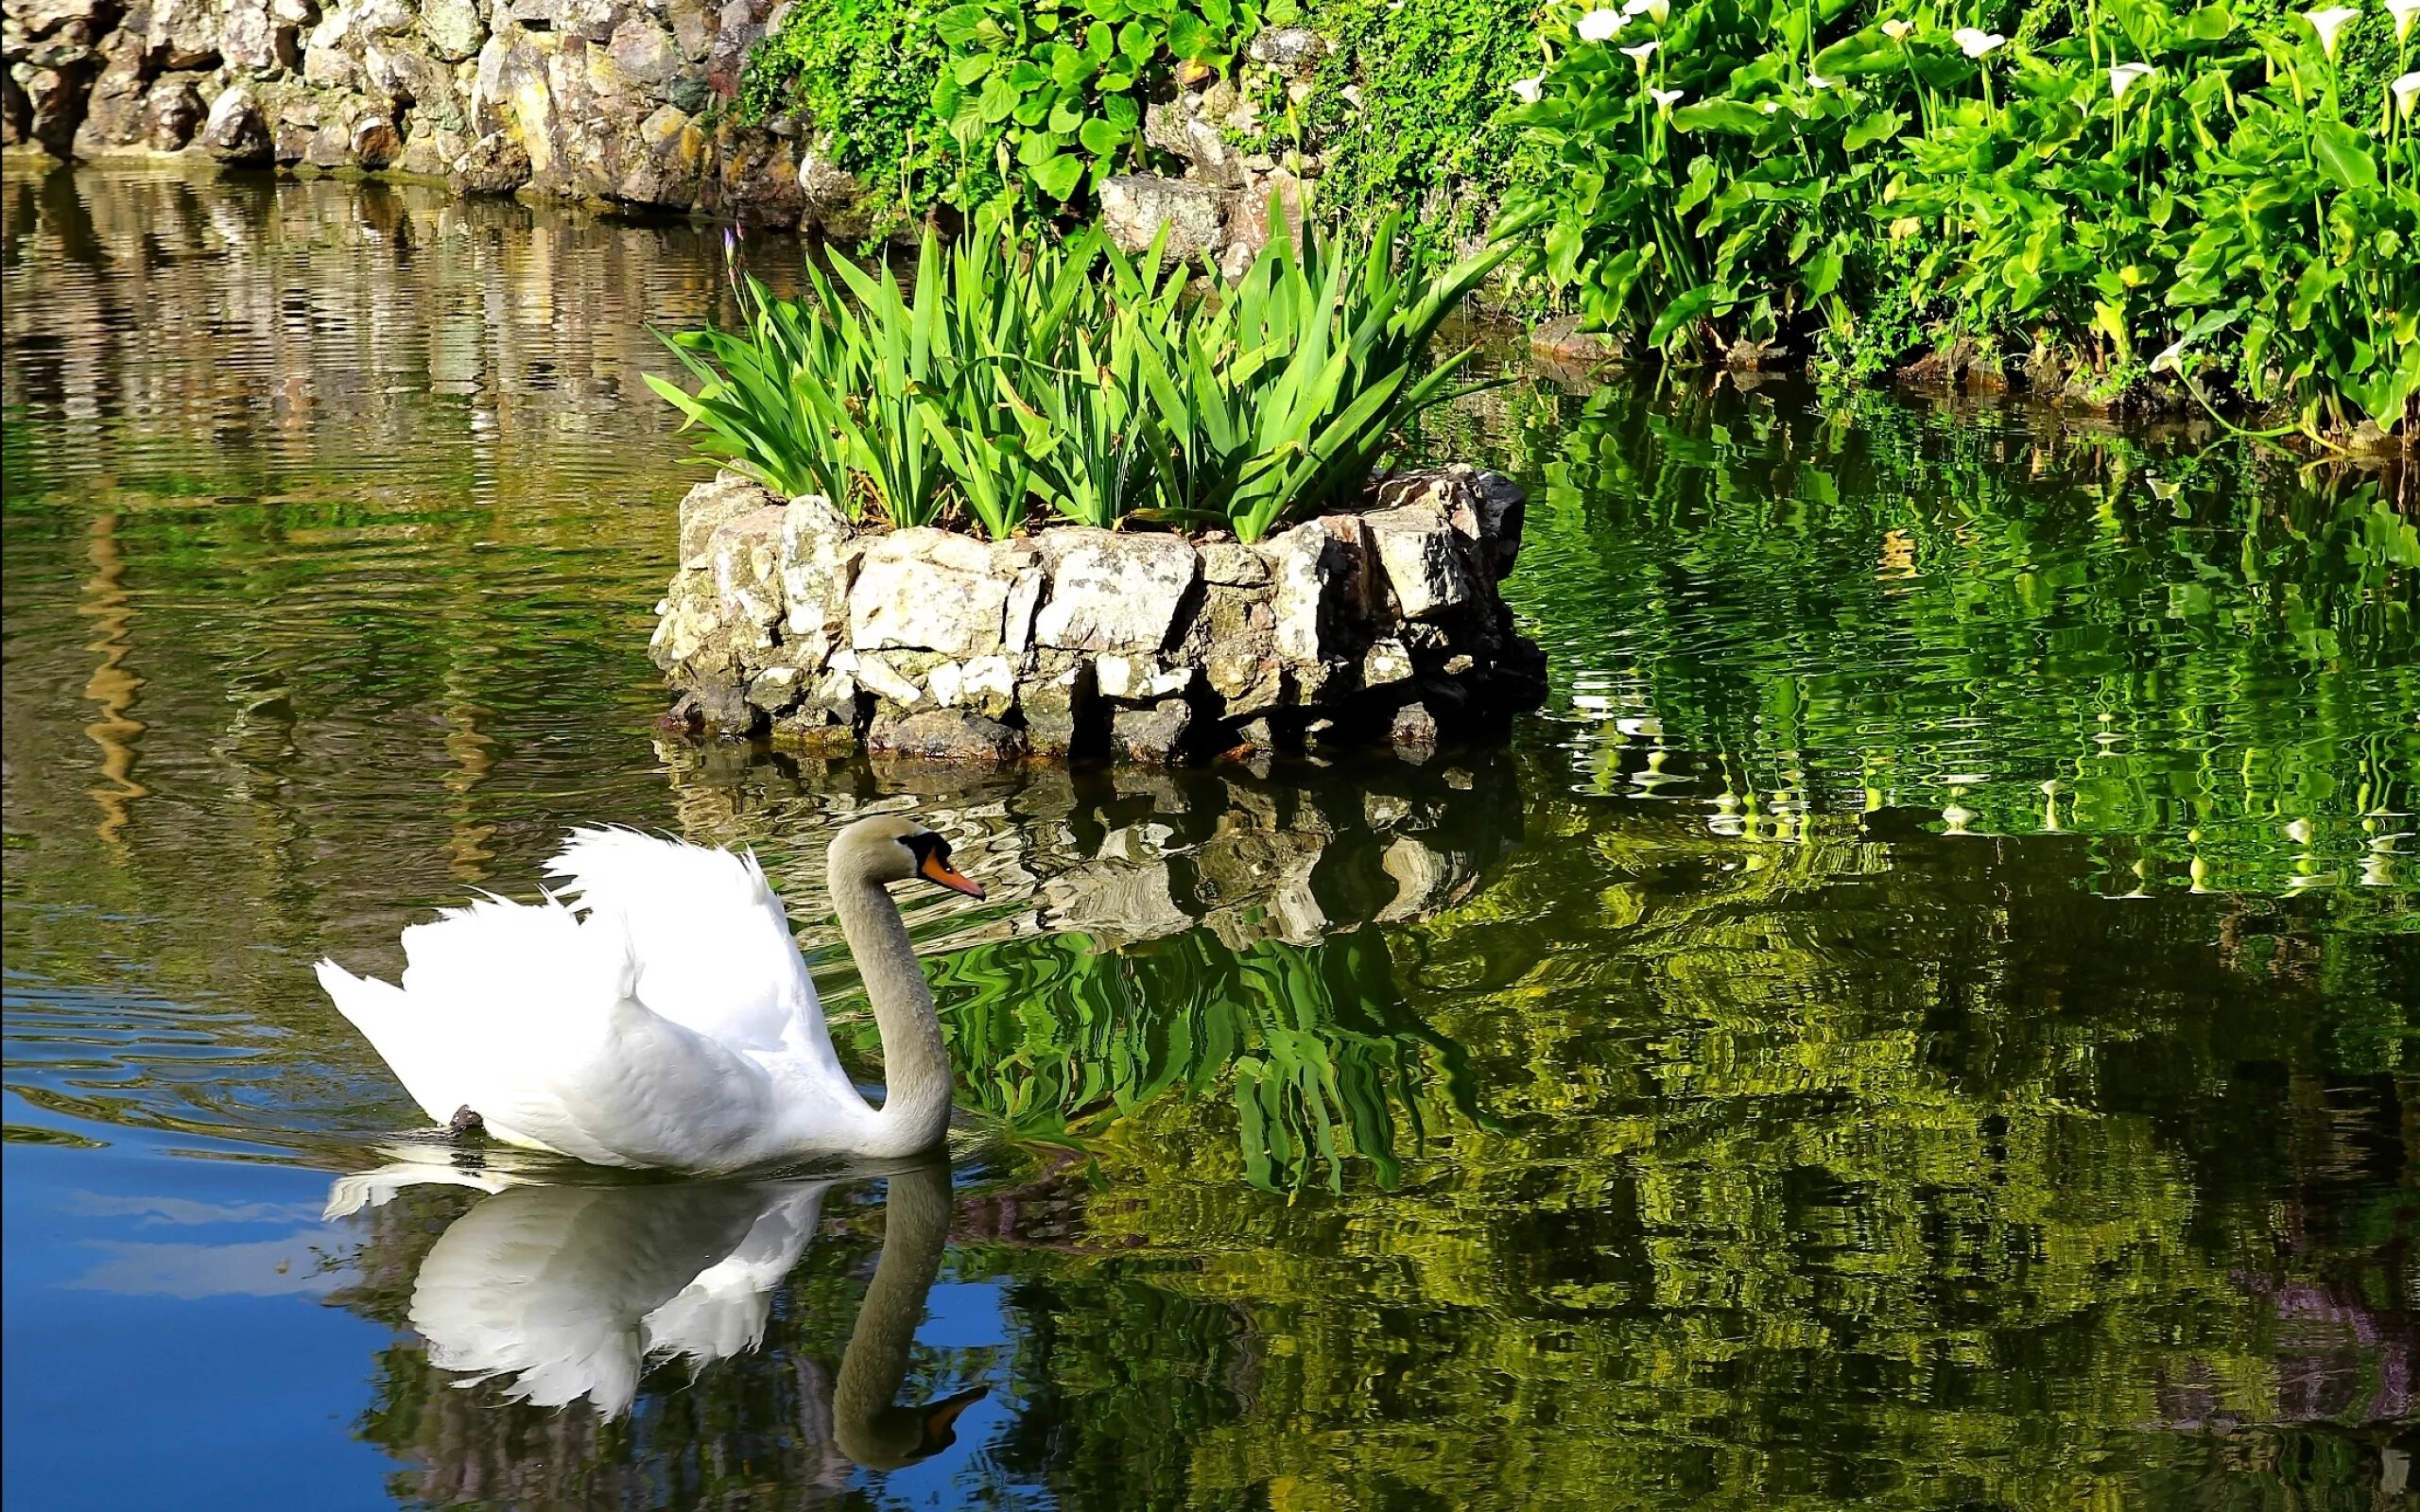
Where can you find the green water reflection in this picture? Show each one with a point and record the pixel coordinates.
(1753, 1086)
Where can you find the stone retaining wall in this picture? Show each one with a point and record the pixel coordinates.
(787, 619)
(612, 100)
(616, 101)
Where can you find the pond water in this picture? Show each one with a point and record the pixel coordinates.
(1924, 1018)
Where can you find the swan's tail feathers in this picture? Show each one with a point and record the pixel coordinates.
(387, 1017)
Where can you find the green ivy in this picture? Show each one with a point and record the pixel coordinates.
(1431, 129)
(974, 104)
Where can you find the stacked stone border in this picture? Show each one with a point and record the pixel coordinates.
(788, 620)
(623, 102)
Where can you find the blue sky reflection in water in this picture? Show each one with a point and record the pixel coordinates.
(1924, 1018)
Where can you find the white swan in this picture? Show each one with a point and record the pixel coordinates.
(657, 1012)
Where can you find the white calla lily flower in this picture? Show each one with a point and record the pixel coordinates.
(2404, 12)
(1529, 87)
(2405, 90)
(1770, 107)
(1976, 43)
(1899, 31)
(2125, 76)
(2169, 357)
(1665, 97)
(1641, 53)
(2330, 23)
(1656, 10)
(1600, 24)
(1818, 82)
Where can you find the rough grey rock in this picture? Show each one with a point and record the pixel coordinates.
(1134, 208)
(1562, 340)
(1150, 736)
(114, 109)
(454, 28)
(1413, 725)
(1057, 701)
(496, 164)
(55, 100)
(706, 507)
(643, 56)
(746, 551)
(1111, 591)
(1425, 560)
(1290, 49)
(945, 735)
(927, 590)
(1301, 591)
(171, 109)
(234, 131)
(818, 570)
(1261, 200)
(1080, 641)
(253, 41)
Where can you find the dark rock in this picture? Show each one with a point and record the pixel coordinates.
(496, 164)
(1562, 340)
(113, 108)
(55, 99)
(1058, 702)
(373, 141)
(1413, 727)
(944, 735)
(171, 112)
(1290, 49)
(1152, 734)
(1135, 207)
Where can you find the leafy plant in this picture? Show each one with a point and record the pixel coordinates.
(2114, 199)
(1010, 377)
(989, 100)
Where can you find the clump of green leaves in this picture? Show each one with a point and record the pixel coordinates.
(1070, 377)
(2147, 194)
(990, 100)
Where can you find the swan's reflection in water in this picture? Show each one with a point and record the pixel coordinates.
(570, 1293)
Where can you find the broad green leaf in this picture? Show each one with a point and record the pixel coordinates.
(2342, 155)
(1056, 175)
(1721, 115)
(1880, 125)
(1100, 138)
(1680, 313)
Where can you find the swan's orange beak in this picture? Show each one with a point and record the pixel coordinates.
(936, 869)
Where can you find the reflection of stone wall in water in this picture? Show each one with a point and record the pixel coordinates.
(1129, 854)
(1080, 642)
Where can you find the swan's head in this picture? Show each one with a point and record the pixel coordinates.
(893, 847)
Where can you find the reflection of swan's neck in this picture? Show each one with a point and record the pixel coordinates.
(865, 1422)
(915, 1063)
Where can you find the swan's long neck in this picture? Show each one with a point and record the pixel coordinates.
(867, 1421)
(915, 1063)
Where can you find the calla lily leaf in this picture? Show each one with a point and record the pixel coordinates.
(2341, 156)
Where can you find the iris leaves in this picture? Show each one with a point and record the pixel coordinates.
(1073, 378)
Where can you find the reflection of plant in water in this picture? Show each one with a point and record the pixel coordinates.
(1058, 1036)
(1866, 608)
(1803, 1173)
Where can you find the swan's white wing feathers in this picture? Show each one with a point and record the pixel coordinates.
(711, 938)
(524, 1014)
